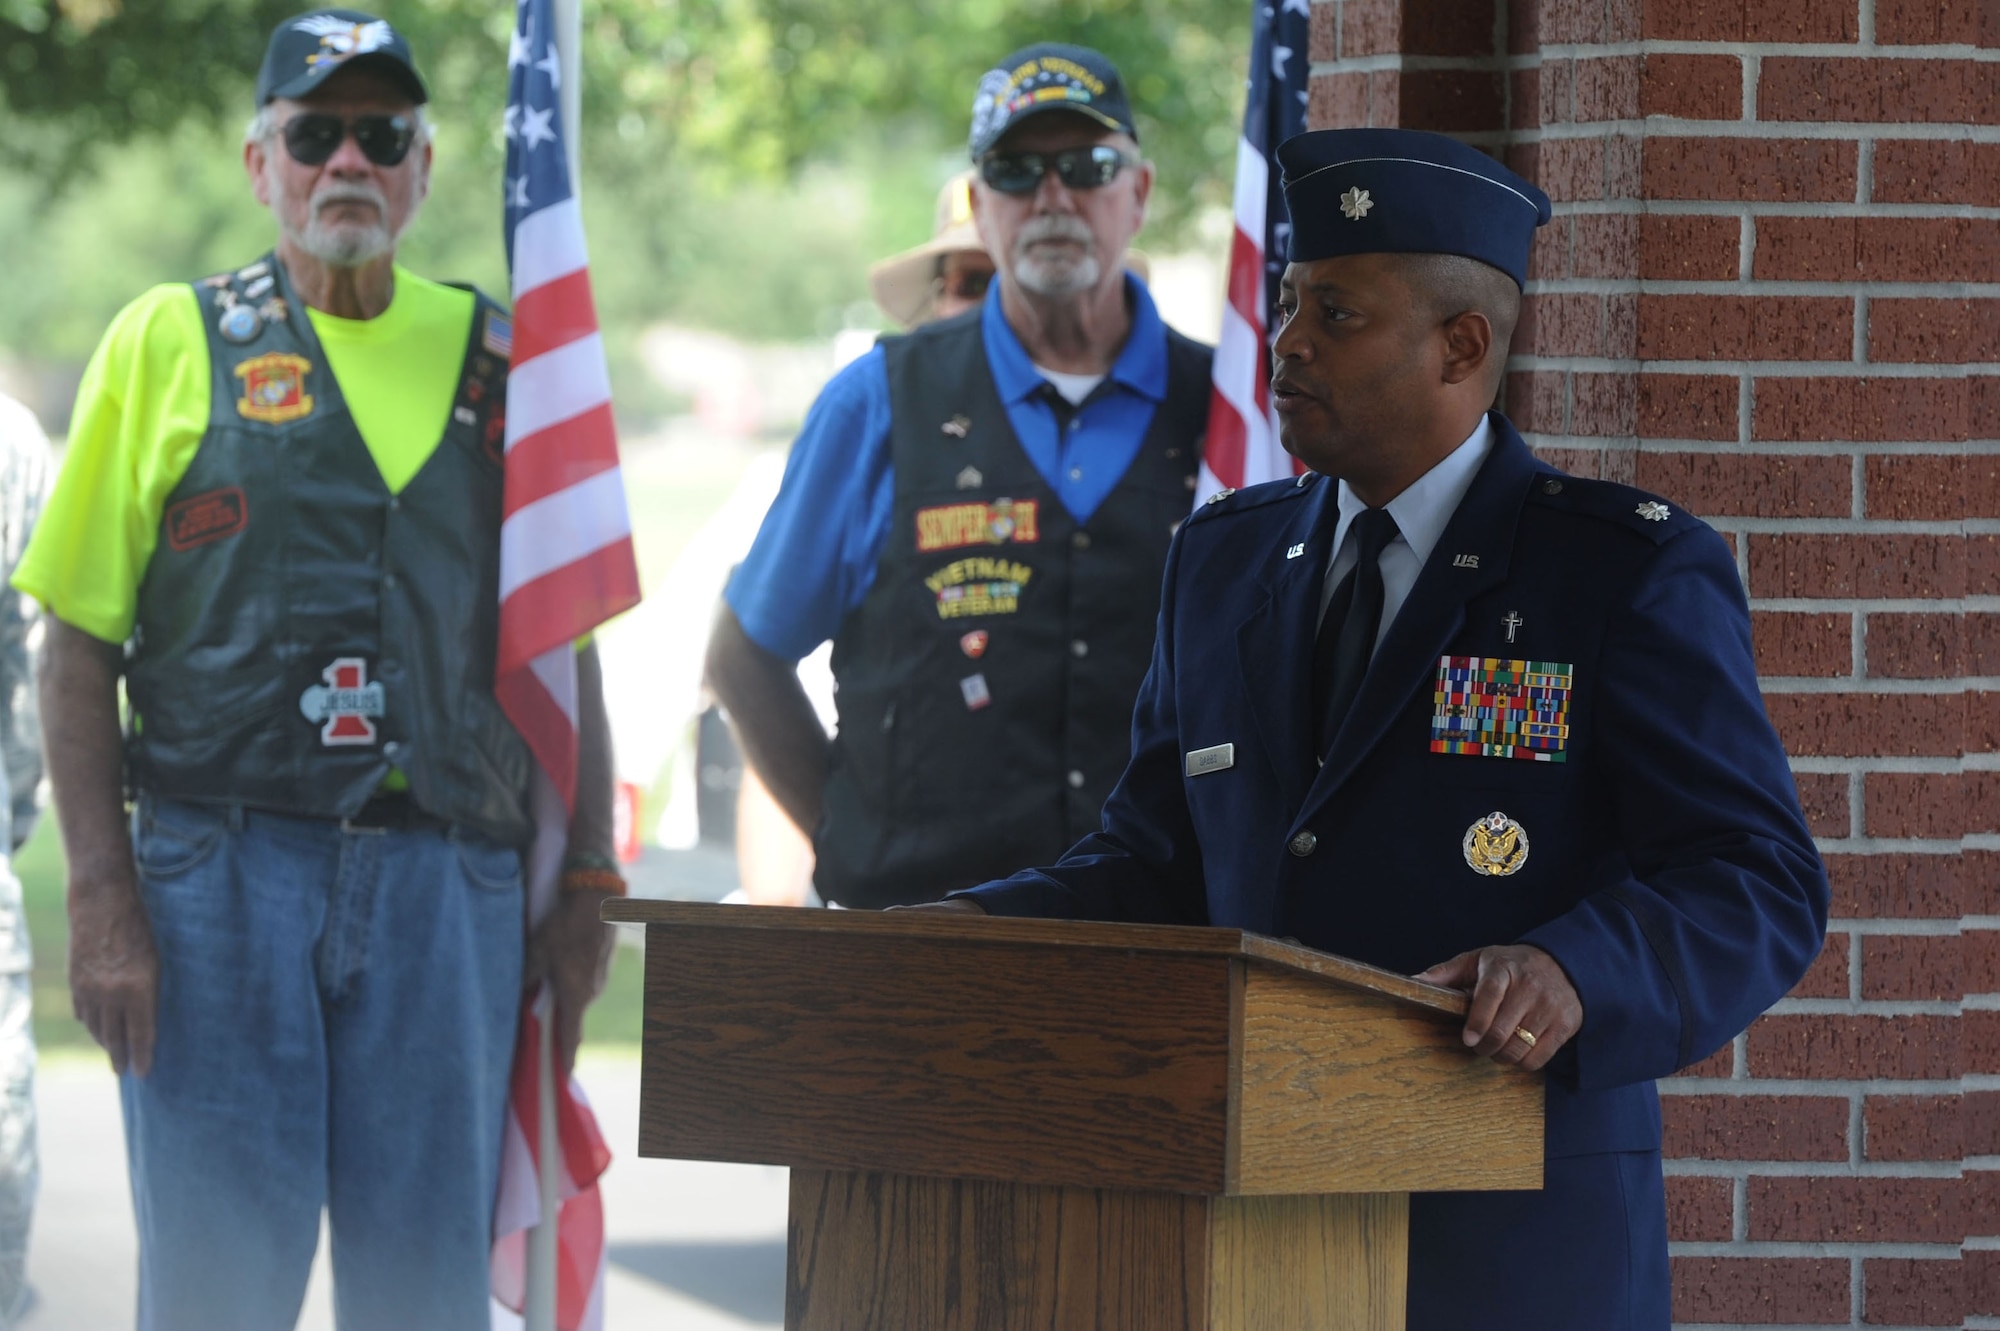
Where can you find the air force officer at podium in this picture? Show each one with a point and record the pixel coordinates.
(1440, 707)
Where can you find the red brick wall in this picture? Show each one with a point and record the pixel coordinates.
(1772, 293)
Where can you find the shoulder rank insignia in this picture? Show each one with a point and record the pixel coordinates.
(1218, 496)
(1496, 845)
(1653, 511)
(1490, 707)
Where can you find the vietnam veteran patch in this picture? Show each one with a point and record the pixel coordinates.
(1495, 708)
(980, 586)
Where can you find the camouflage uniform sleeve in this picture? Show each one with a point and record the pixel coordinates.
(24, 479)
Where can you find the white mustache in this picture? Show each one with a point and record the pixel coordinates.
(1056, 228)
(333, 194)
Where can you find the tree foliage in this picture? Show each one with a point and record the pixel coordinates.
(736, 89)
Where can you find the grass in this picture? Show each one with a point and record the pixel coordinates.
(612, 1023)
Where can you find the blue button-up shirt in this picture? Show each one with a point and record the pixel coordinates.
(815, 557)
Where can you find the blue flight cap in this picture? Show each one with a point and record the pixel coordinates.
(1403, 191)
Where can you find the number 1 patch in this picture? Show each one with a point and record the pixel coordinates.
(1491, 707)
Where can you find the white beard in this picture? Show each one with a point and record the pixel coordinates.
(1052, 274)
(342, 244)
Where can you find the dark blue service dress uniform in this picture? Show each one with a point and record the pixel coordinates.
(1644, 830)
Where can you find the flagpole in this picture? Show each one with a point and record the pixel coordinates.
(569, 57)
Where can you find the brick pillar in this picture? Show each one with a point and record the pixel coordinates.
(1772, 292)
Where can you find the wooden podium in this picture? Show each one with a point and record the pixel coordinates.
(1002, 1124)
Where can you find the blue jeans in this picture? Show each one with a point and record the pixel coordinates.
(336, 1025)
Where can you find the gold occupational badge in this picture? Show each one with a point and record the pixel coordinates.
(1496, 845)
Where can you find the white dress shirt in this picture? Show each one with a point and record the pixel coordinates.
(1421, 513)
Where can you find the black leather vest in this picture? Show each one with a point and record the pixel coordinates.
(986, 682)
(300, 629)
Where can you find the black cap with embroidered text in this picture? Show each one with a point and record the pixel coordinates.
(1048, 76)
(308, 49)
(1406, 191)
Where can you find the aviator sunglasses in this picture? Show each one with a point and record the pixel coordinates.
(315, 136)
(1078, 168)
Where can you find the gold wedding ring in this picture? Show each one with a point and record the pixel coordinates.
(1525, 1036)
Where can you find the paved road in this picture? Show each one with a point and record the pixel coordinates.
(694, 1247)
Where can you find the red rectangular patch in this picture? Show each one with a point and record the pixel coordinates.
(206, 517)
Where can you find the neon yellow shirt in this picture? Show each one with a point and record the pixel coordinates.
(143, 407)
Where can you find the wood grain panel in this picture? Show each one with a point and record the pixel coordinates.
(856, 1051)
(1330, 1263)
(886, 1252)
(1343, 1092)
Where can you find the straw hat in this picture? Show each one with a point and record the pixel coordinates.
(904, 285)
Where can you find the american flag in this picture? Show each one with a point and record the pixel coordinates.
(566, 566)
(1243, 447)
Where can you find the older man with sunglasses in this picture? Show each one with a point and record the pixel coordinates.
(977, 514)
(279, 523)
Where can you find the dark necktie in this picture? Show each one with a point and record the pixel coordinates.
(1346, 638)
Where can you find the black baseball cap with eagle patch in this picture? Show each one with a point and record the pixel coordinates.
(308, 49)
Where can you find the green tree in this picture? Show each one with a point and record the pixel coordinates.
(735, 89)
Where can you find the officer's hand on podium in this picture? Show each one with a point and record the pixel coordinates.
(1524, 1009)
(956, 906)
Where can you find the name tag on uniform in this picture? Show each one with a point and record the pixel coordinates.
(1213, 759)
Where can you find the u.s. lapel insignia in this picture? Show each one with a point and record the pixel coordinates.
(1653, 511)
(957, 427)
(1293, 552)
(1496, 845)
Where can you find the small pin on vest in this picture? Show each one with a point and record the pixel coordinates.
(239, 324)
(957, 427)
(970, 479)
